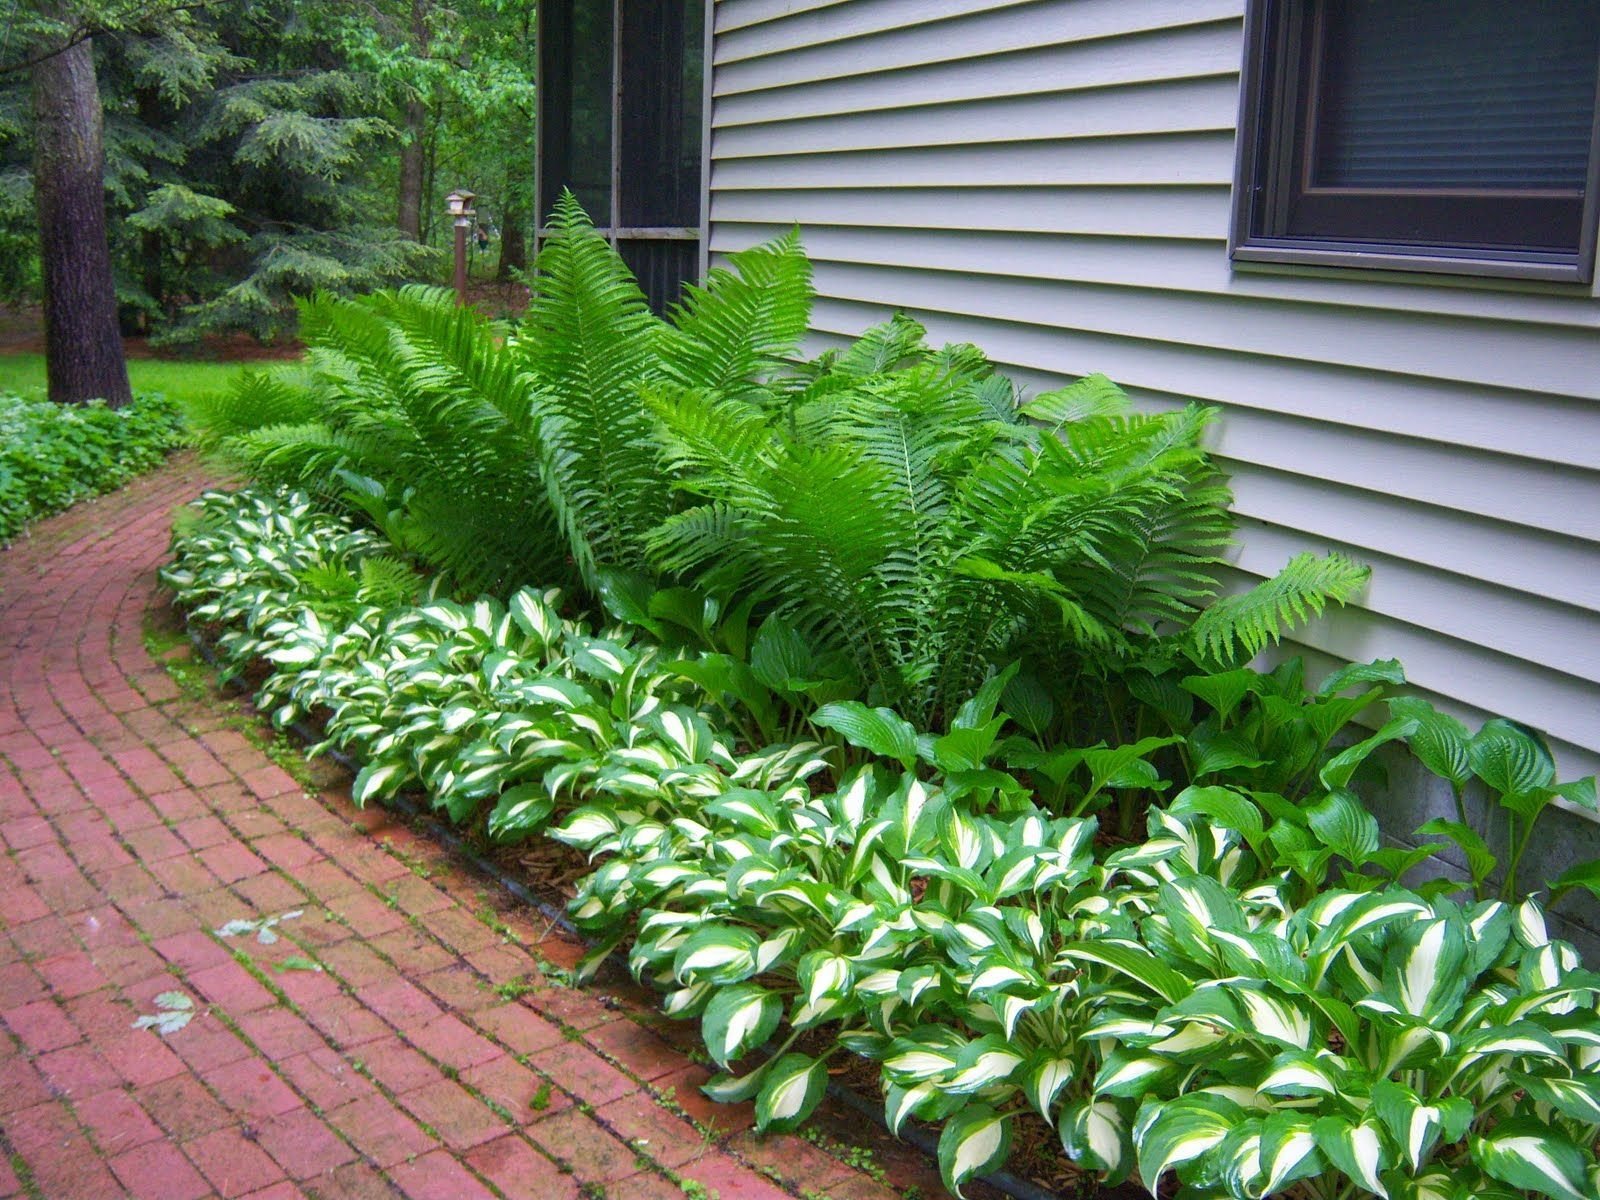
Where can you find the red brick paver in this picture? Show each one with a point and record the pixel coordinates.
(136, 821)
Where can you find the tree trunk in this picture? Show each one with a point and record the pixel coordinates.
(83, 346)
(411, 170)
(513, 245)
(414, 122)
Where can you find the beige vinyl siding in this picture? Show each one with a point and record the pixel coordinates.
(1050, 179)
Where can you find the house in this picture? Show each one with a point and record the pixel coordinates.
(1364, 229)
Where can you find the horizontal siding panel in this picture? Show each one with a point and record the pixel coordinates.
(1171, 264)
(1180, 54)
(1541, 633)
(1512, 421)
(1545, 428)
(1527, 357)
(1516, 559)
(737, 14)
(1552, 701)
(1195, 212)
(1151, 160)
(817, 26)
(989, 34)
(1542, 496)
(1186, 106)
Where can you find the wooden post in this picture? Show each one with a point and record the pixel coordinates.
(461, 260)
(460, 206)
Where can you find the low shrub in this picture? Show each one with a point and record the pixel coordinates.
(52, 455)
(892, 503)
(1246, 996)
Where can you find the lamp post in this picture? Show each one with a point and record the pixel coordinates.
(460, 206)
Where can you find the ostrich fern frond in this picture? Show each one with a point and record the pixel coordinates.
(1245, 624)
(256, 400)
(592, 344)
(739, 324)
(414, 396)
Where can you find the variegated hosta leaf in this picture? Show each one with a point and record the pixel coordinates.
(377, 781)
(974, 1141)
(1285, 1020)
(924, 1054)
(1135, 963)
(736, 1089)
(791, 1090)
(1529, 1155)
(1167, 1135)
(1132, 1073)
(1288, 1151)
(1578, 1098)
(1424, 969)
(1095, 1135)
(1339, 918)
(1361, 1150)
(1417, 1127)
(982, 1064)
(520, 812)
(739, 1019)
(586, 827)
(902, 1102)
(1303, 1073)
(1522, 1039)
(823, 973)
(717, 954)
(1436, 1185)
(1045, 1074)
(1197, 907)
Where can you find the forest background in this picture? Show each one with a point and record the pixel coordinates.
(261, 149)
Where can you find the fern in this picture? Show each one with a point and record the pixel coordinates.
(904, 517)
(1245, 624)
(592, 343)
(421, 421)
(256, 400)
(739, 325)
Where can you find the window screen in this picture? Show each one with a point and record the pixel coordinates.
(622, 106)
(1456, 94)
(575, 51)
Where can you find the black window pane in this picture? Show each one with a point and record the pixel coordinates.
(575, 51)
(1479, 94)
(660, 114)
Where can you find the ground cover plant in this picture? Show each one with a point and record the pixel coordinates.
(52, 455)
(1246, 995)
(898, 722)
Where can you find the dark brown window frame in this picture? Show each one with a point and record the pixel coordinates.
(1366, 227)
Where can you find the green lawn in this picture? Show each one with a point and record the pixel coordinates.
(23, 375)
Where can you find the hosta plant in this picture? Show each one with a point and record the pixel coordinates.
(243, 560)
(880, 918)
(1366, 1044)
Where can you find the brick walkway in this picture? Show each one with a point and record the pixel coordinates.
(406, 1033)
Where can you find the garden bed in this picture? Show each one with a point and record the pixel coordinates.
(876, 652)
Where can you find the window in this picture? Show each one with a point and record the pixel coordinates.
(1420, 135)
(621, 109)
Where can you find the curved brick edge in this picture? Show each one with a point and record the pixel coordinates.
(405, 1035)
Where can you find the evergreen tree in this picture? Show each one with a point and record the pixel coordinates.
(254, 148)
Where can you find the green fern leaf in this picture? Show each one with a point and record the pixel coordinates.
(1245, 624)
